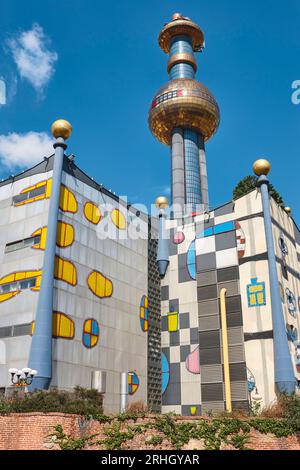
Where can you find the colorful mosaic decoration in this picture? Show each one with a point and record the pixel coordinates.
(92, 213)
(67, 201)
(42, 190)
(172, 321)
(297, 356)
(64, 236)
(14, 283)
(37, 192)
(65, 271)
(256, 292)
(191, 260)
(291, 302)
(292, 333)
(217, 229)
(100, 285)
(63, 326)
(178, 238)
(282, 245)
(118, 219)
(144, 313)
(90, 335)
(250, 381)
(240, 240)
(165, 371)
(133, 383)
(192, 362)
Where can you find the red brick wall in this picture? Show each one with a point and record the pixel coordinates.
(29, 431)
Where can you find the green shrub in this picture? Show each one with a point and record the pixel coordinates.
(80, 401)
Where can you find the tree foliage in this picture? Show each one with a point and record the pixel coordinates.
(247, 184)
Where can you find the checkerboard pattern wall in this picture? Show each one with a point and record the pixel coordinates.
(203, 260)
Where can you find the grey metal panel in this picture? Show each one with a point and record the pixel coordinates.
(206, 262)
(232, 288)
(212, 392)
(209, 339)
(184, 352)
(233, 304)
(225, 241)
(241, 405)
(194, 335)
(235, 335)
(174, 305)
(228, 274)
(206, 278)
(5, 332)
(216, 407)
(209, 323)
(210, 356)
(238, 372)
(184, 320)
(225, 209)
(165, 293)
(236, 353)
(207, 292)
(172, 395)
(174, 338)
(209, 307)
(22, 330)
(234, 319)
(239, 391)
(211, 374)
(164, 323)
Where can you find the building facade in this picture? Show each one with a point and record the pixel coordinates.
(204, 318)
(100, 295)
(229, 276)
(226, 249)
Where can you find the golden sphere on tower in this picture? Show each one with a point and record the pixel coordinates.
(61, 128)
(261, 167)
(184, 103)
(288, 210)
(162, 202)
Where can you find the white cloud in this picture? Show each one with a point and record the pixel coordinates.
(35, 62)
(2, 92)
(22, 150)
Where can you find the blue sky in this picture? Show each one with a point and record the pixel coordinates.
(101, 66)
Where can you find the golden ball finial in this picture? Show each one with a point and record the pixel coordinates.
(288, 210)
(261, 167)
(61, 128)
(162, 202)
(176, 16)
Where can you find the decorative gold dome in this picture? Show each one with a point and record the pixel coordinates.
(184, 103)
(61, 128)
(261, 167)
(180, 25)
(162, 202)
(288, 210)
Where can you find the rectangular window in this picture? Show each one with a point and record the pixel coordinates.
(20, 244)
(29, 195)
(18, 285)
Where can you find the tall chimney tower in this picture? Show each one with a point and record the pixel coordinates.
(184, 115)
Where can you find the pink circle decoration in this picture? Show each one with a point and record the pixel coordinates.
(178, 238)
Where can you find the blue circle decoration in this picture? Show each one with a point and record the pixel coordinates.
(191, 260)
(291, 302)
(165, 371)
(90, 334)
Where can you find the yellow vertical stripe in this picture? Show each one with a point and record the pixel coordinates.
(225, 350)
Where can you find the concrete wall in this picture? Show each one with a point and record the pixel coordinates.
(122, 344)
